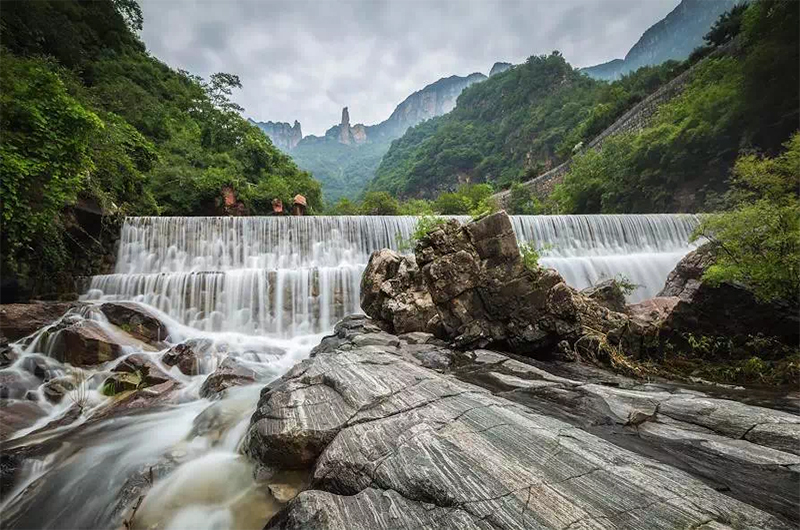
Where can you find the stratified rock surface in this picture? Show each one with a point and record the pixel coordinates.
(486, 441)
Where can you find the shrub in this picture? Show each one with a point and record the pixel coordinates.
(757, 243)
(379, 203)
(530, 256)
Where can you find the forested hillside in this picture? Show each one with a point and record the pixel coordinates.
(512, 126)
(520, 123)
(90, 118)
(738, 103)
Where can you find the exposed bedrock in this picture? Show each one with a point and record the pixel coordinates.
(486, 441)
(136, 319)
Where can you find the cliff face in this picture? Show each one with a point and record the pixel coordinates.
(346, 158)
(499, 68)
(434, 100)
(283, 135)
(673, 37)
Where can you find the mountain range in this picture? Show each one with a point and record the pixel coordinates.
(673, 37)
(345, 158)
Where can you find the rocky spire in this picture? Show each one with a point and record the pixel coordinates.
(345, 118)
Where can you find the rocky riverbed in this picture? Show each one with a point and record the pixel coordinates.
(404, 432)
(480, 392)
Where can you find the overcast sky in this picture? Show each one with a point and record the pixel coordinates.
(305, 60)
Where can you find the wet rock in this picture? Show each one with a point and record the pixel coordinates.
(231, 372)
(608, 294)
(15, 384)
(391, 442)
(16, 415)
(20, 320)
(142, 399)
(87, 343)
(7, 355)
(134, 372)
(41, 367)
(393, 291)
(184, 356)
(137, 320)
(143, 365)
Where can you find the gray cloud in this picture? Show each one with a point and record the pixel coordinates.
(305, 60)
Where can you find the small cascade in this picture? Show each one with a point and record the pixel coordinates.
(586, 249)
(284, 276)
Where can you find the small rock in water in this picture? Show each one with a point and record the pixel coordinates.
(231, 372)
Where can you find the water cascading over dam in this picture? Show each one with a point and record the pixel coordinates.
(288, 276)
(255, 292)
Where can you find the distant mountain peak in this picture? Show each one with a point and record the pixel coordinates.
(283, 135)
(673, 37)
(499, 67)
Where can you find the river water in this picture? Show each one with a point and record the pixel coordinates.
(263, 290)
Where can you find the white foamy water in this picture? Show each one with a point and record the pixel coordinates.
(262, 290)
(293, 275)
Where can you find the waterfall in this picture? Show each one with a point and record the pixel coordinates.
(285, 276)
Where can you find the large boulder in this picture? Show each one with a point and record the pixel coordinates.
(88, 343)
(231, 372)
(701, 309)
(393, 291)
(20, 320)
(485, 294)
(137, 320)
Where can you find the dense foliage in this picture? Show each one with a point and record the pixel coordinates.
(342, 170)
(512, 126)
(469, 199)
(739, 101)
(757, 242)
(89, 117)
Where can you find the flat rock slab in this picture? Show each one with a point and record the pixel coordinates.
(20, 320)
(393, 444)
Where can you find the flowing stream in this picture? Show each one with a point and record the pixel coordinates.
(263, 290)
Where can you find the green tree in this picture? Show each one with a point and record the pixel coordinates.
(522, 201)
(344, 206)
(452, 204)
(379, 203)
(415, 207)
(757, 243)
(45, 158)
